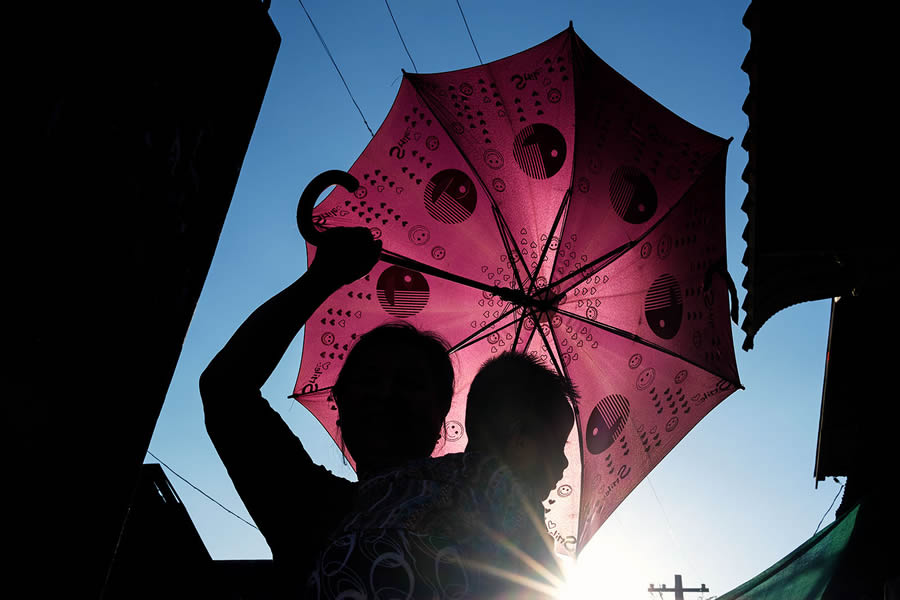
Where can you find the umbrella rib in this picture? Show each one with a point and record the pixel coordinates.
(606, 258)
(575, 409)
(540, 330)
(295, 396)
(645, 342)
(559, 213)
(484, 332)
(505, 235)
(576, 70)
(519, 330)
(629, 245)
(564, 207)
(570, 192)
(532, 277)
(403, 261)
(459, 346)
(530, 335)
(564, 372)
(468, 162)
(510, 295)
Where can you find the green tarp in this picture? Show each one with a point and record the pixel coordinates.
(805, 573)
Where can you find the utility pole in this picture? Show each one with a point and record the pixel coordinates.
(679, 589)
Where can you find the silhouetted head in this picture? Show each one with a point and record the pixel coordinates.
(521, 411)
(392, 395)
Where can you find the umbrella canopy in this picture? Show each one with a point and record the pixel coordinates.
(542, 203)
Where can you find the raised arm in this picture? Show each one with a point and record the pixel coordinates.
(268, 465)
(248, 359)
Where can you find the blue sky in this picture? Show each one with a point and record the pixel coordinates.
(737, 494)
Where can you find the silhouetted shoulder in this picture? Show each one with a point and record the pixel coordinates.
(295, 502)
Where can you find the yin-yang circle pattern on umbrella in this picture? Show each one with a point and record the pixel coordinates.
(606, 423)
(632, 195)
(402, 292)
(663, 306)
(450, 196)
(540, 150)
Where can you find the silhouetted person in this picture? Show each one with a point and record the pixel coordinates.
(467, 525)
(521, 412)
(392, 396)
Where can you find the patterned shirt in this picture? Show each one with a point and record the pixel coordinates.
(449, 527)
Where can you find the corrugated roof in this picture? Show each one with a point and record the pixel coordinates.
(820, 203)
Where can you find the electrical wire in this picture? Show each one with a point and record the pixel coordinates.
(400, 35)
(222, 506)
(336, 68)
(470, 32)
(829, 508)
(669, 526)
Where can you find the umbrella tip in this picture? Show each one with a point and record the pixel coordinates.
(570, 24)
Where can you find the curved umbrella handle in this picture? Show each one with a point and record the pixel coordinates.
(313, 236)
(312, 192)
(719, 268)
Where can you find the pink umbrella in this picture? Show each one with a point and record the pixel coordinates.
(543, 203)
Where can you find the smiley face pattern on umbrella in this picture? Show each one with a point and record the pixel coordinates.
(419, 235)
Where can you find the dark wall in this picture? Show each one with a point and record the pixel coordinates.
(819, 207)
(135, 120)
(160, 554)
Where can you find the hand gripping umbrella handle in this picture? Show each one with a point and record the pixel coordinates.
(308, 198)
(313, 236)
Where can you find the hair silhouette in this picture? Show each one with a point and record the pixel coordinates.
(514, 390)
(393, 393)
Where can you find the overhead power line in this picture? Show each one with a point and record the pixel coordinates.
(470, 32)
(336, 68)
(222, 506)
(669, 526)
(829, 508)
(400, 35)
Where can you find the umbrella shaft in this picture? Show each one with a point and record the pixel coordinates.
(509, 294)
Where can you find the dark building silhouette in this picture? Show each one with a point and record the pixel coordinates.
(855, 440)
(160, 554)
(819, 213)
(134, 120)
(820, 220)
